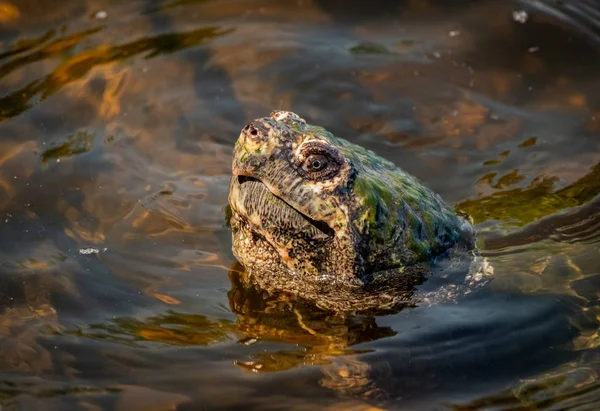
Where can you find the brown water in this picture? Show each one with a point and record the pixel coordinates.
(118, 289)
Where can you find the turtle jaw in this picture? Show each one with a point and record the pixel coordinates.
(266, 212)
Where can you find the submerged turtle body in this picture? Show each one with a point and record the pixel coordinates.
(331, 222)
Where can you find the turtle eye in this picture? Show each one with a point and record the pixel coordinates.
(319, 161)
(315, 163)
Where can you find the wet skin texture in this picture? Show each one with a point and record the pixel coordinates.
(331, 222)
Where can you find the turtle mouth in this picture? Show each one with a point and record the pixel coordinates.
(263, 210)
(243, 179)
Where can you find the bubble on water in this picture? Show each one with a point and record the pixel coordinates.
(91, 250)
(100, 15)
(520, 16)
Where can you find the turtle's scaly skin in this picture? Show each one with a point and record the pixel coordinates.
(332, 222)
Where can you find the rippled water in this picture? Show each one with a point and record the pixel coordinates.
(118, 289)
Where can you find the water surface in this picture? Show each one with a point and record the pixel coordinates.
(118, 289)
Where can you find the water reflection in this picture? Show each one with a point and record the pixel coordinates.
(116, 130)
(515, 205)
(572, 386)
(259, 316)
(172, 328)
(343, 347)
(75, 68)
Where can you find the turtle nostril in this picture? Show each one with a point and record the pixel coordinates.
(251, 129)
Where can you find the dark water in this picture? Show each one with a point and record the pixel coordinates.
(118, 289)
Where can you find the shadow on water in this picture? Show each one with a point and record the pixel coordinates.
(118, 289)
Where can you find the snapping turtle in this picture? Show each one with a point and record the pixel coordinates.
(333, 223)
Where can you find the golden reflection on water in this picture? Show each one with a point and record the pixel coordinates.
(116, 134)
